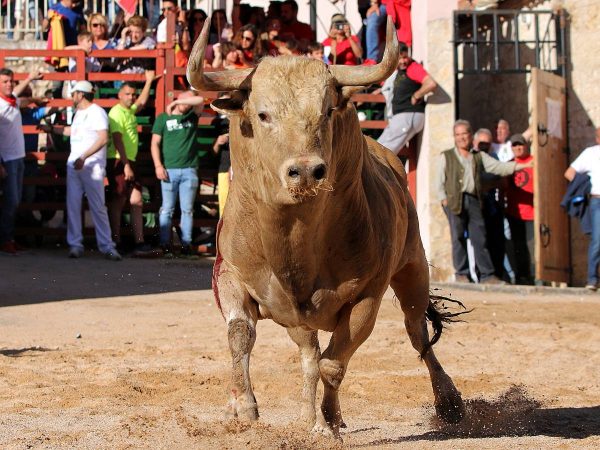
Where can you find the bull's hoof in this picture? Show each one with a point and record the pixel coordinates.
(308, 416)
(326, 431)
(450, 409)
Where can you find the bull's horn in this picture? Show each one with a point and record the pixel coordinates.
(366, 75)
(226, 80)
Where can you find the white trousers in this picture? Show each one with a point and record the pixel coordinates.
(88, 181)
(400, 129)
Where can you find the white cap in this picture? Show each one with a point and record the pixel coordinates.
(83, 86)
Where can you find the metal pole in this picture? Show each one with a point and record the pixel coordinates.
(313, 14)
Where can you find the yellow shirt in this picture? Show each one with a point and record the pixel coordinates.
(122, 120)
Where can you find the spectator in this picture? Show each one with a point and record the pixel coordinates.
(519, 212)
(274, 9)
(405, 93)
(291, 27)
(182, 35)
(221, 149)
(316, 51)
(12, 155)
(218, 24)
(399, 10)
(133, 37)
(98, 26)
(588, 162)
(492, 207)
(85, 42)
(121, 171)
(176, 166)
(460, 192)
(271, 37)
(502, 148)
(247, 39)
(290, 47)
(344, 47)
(71, 17)
(228, 56)
(85, 171)
(196, 19)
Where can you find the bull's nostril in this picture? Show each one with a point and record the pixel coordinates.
(293, 172)
(319, 172)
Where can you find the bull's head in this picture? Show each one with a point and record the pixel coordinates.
(283, 113)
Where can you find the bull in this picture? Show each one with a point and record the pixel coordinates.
(318, 223)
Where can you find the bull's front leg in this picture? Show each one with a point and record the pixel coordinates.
(241, 314)
(354, 327)
(308, 344)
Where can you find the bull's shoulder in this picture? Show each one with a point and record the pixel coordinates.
(386, 157)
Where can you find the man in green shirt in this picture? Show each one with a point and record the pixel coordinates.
(176, 165)
(120, 161)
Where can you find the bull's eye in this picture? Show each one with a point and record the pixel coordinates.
(264, 117)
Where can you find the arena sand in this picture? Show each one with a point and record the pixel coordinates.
(97, 354)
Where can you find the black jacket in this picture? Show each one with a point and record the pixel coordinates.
(576, 201)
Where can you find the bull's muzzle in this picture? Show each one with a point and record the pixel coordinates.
(305, 176)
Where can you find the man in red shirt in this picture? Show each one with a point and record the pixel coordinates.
(291, 28)
(404, 94)
(519, 212)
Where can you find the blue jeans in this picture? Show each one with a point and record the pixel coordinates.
(374, 22)
(12, 187)
(594, 248)
(182, 183)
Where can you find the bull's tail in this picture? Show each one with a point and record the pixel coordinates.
(437, 313)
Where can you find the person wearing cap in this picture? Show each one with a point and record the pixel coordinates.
(12, 155)
(404, 93)
(519, 212)
(460, 193)
(120, 167)
(85, 170)
(344, 47)
(588, 163)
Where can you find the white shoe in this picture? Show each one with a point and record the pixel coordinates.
(591, 287)
(75, 252)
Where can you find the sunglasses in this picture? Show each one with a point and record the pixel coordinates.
(96, 25)
(247, 38)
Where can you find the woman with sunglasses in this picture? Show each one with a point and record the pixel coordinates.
(196, 19)
(247, 39)
(98, 26)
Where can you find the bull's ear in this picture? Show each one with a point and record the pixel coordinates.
(346, 93)
(229, 106)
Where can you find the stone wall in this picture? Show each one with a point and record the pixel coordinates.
(484, 99)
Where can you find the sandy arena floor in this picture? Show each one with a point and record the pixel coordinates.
(97, 354)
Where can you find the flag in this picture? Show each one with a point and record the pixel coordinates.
(129, 6)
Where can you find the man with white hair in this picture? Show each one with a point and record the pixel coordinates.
(85, 171)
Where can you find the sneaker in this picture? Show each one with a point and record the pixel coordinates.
(492, 280)
(592, 287)
(141, 249)
(462, 279)
(75, 252)
(113, 255)
(9, 248)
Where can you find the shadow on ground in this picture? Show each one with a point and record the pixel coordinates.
(39, 276)
(513, 414)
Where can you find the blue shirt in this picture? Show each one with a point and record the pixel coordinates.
(72, 18)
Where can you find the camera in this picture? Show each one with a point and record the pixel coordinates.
(339, 25)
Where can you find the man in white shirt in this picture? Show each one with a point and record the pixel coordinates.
(85, 171)
(502, 148)
(12, 155)
(588, 162)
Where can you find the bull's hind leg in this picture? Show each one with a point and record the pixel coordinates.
(411, 286)
(241, 315)
(308, 344)
(354, 327)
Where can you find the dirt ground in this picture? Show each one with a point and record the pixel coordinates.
(98, 354)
